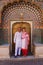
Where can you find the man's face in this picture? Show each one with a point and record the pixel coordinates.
(19, 29)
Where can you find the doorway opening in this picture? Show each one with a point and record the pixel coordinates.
(14, 26)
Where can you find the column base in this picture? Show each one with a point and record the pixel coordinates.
(38, 50)
(4, 51)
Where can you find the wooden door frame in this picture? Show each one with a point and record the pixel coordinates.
(11, 23)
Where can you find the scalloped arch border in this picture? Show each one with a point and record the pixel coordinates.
(32, 7)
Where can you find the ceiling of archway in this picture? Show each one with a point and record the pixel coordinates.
(14, 11)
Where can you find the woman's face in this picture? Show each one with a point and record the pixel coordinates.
(24, 30)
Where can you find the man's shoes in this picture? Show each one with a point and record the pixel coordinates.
(19, 55)
(15, 56)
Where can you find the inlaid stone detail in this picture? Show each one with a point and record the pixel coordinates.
(13, 12)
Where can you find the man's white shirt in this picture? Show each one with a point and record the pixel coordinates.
(18, 38)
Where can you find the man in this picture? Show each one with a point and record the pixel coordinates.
(18, 42)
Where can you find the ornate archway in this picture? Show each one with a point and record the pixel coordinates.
(12, 12)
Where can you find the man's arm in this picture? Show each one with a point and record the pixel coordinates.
(15, 38)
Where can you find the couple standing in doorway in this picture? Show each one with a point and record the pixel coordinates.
(21, 40)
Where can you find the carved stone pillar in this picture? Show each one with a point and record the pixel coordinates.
(0, 16)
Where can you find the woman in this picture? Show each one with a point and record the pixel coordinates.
(25, 42)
